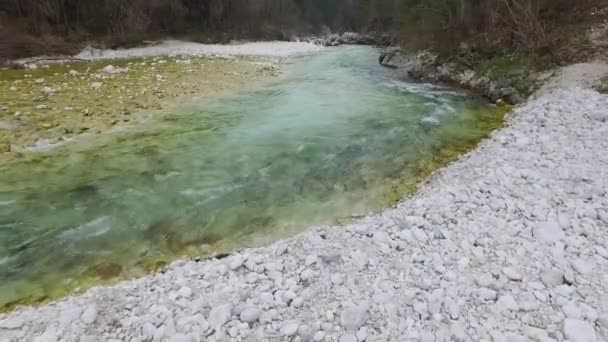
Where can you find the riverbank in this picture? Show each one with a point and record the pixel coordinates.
(46, 105)
(505, 244)
(505, 75)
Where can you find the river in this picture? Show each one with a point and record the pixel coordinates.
(334, 138)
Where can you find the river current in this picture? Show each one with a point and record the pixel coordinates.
(334, 138)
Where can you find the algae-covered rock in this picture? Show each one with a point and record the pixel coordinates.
(5, 147)
(105, 271)
(98, 96)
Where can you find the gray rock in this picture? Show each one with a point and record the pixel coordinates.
(337, 279)
(89, 315)
(149, 330)
(265, 317)
(583, 267)
(602, 320)
(297, 302)
(327, 326)
(290, 328)
(536, 334)
(422, 309)
(159, 334)
(236, 262)
(354, 317)
(318, 336)
(348, 338)
(288, 296)
(49, 335)
(485, 280)
(307, 275)
(507, 302)
(548, 232)
(552, 277)
(311, 260)
(359, 259)
(11, 323)
(181, 338)
(452, 308)
(571, 310)
(89, 338)
(420, 234)
(579, 331)
(250, 315)
(69, 315)
(487, 294)
(219, 315)
(513, 273)
(305, 332)
(362, 334)
(185, 292)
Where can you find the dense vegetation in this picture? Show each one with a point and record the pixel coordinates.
(31, 26)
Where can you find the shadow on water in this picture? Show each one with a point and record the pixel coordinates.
(336, 137)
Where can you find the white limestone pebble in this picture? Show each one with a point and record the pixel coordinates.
(89, 315)
(552, 277)
(291, 328)
(250, 315)
(219, 315)
(579, 331)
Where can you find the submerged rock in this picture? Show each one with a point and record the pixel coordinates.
(112, 70)
(105, 271)
(429, 122)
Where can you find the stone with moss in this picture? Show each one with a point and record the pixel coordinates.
(65, 100)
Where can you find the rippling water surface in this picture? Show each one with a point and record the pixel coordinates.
(336, 137)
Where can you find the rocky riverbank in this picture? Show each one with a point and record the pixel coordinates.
(353, 38)
(508, 244)
(505, 76)
(507, 79)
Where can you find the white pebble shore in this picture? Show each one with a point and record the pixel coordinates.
(181, 48)
(508, 244)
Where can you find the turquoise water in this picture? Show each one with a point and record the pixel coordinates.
(336, 137)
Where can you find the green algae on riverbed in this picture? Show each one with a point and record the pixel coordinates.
(58, 102)
(335, 138)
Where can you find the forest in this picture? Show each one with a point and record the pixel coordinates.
(28, 27)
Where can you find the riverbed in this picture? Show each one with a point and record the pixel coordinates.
(334, 138)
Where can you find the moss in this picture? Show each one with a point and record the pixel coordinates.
(59, 102)
(155, 266)
(516, 71)
(454, 146)
(21, 294)
(602, 86)
(105, 271)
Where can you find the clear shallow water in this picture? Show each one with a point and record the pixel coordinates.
(335, 138)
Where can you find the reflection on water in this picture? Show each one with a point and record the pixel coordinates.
(335, 138)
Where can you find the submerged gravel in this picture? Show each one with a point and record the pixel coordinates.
(508, 244)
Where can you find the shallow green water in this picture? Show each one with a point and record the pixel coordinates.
(337, 137)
